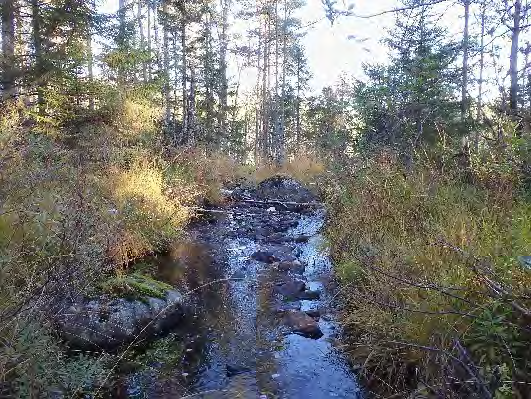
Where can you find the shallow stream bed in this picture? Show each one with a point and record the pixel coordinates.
(261, 284)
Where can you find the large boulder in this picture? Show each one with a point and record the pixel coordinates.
(107, 323)
(284, 189)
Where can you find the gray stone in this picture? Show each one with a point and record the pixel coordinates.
(265, 257)
(295, 267)
(108, 323)
(284, 307)
(314, 313)
(525, 261)
(310, 295)
(290, 289)
(285, 189)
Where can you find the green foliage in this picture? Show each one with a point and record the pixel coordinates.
(410, 251)
(413, 96)
(493, 330)
(167, 351)
(330, 118)
(135, 286)
(38, 367)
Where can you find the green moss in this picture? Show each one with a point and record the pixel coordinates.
(135, 286)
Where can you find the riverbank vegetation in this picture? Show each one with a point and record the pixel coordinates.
(433, 276)
(116, 128)
(430, 227)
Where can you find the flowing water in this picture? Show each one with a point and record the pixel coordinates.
(236, 345)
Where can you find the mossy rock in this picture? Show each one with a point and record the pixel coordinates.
(135, 286)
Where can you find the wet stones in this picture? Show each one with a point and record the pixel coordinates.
(277, 238)
(295, 267)
(108, 323)
(313, 313)
(274, 254)
(310, 295)
(295, 290)
(302, 324)
(284, 307)
(265, 257)
(284, 188)
(233, 369)
(290, 288)
(301, 239)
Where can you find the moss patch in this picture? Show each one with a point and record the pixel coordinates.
(135, 286)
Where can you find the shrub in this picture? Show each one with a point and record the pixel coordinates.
(73, 214)
(303, 167)
(415, 254)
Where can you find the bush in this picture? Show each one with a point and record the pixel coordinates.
(38, 367)
(418, 255)
(75, 210)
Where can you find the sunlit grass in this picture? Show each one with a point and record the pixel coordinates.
(303, 167)
(389, 231)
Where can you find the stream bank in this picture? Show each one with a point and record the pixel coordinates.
(260, 284)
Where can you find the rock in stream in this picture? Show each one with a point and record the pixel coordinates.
(107, 323)
(267, 331)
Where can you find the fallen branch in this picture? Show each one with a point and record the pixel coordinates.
(483, 269)
(286, 204)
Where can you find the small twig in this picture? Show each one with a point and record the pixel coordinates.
(482, 269)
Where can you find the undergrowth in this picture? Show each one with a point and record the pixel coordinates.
(77, 208)
(431, 281)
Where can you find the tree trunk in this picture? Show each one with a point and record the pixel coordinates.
(184, 132)
(225, 5)
(121, 39)
(481, 70)
(265, 90)
(149, 5)
(464, 83)
(142, 39)
(258, 103)
(282, 128)
(37, 46)
(190, 116)
(90, 69)
(298, 105)
(513, 67)
(209, 79)
(166, 61)
(523, 84)
(8, 49)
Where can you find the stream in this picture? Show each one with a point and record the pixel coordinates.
(260, 283)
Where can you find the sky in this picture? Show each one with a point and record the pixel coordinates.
(342, 48)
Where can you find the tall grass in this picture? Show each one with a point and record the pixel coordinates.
(303, 167)
(75, 209)
(415, 254)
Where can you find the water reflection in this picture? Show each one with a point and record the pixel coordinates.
(235, 345)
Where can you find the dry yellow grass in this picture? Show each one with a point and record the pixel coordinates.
(303, 167)
(387, 233)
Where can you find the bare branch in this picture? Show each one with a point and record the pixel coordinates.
(399, 9)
